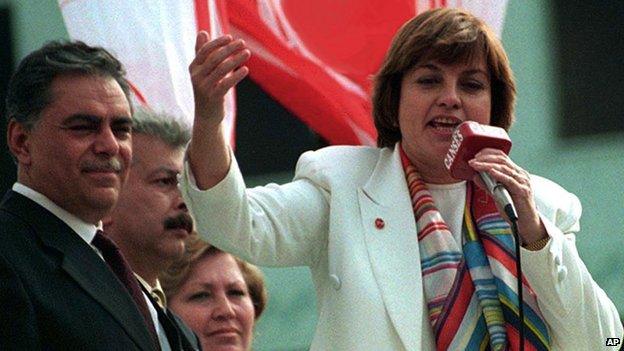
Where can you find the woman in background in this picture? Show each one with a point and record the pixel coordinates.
(219, 296)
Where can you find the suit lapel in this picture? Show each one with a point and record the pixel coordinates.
(83, 265)
(393, 249)
(106, 289)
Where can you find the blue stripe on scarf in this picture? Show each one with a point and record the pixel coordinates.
(529, 313)
(475, 251)
(441, 257)
(476, 339)
(512, 318)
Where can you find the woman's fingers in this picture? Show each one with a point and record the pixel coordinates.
(230, 81)
(223, 63)
(203, 47)
(207, 60)
(217, 67)
(518, 182)
(514, 178)
(202, 38)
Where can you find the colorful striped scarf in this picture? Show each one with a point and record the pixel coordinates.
(471, 291)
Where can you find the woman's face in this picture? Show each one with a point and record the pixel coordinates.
(435, 98)
(215, 303)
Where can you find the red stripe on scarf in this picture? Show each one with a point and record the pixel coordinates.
(418, 185)
(458, 308)
(431, 228)
(513, 339)
(495, 250)
(441, 267)
(422, 200)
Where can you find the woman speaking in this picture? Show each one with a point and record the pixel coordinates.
(402, 255)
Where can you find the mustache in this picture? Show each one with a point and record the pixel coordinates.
(181, 221)
(109, 165)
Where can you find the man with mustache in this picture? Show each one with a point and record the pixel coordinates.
(70, 132)
(150, 222)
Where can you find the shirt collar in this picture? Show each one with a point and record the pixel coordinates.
(156, 291)
(85, 230)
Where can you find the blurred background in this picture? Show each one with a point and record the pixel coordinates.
(567, 60)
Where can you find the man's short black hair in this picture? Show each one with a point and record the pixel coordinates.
(29, 92)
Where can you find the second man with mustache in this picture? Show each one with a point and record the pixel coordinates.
(151, 223)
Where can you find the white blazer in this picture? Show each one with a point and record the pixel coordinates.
(347, 215)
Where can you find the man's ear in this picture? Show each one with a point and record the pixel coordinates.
(18, 140)
(107, 222)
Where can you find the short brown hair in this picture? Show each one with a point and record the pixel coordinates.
(177, 274)
(446, 35)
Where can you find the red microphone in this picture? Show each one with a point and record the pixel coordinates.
(467, 140)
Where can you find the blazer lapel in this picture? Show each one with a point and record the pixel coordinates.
(83, 265)
(393, 246)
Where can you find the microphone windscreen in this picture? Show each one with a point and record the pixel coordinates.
(467, 140)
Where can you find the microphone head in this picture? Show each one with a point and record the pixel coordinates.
(467, 140)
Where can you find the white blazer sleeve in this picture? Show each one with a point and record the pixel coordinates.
(579, 314)
(274, 225)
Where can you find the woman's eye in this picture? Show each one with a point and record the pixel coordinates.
(169, 181)
(238, 292)
(199, 296)
(473, 85)
(427, 81)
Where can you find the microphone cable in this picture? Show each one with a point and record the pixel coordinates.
(511, 213)
(501, 196)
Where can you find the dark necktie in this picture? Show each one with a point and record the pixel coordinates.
(118, 264)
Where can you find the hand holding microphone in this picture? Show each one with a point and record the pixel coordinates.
(468, 139)
(482, 149)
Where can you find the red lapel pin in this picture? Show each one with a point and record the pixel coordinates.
(379, 223)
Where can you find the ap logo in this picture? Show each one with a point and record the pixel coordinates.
(613, 342)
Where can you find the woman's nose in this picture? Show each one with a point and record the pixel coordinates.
(449, 97)
(223, 308)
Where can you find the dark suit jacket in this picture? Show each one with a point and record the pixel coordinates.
(56, 293)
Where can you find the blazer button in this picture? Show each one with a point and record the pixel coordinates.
(335, 281)
(558, 260)
(562, 273)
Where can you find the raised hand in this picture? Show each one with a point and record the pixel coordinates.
(217, 67)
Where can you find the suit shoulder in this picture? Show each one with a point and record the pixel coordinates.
(14, 233)
(344, 151)
(335, 165)
(9, 223)
(339, 158)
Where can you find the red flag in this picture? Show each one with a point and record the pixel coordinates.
(318, 57)
(155, 41)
